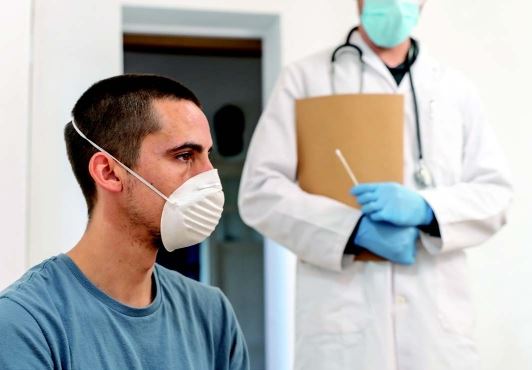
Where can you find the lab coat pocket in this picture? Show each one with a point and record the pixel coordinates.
(455, 308)
(330, 302)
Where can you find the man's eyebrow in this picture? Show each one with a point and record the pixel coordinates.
(190, 146)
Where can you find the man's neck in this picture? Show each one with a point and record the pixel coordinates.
(392, 57)
(115, 260)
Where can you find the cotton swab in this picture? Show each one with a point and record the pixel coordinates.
(346, 166)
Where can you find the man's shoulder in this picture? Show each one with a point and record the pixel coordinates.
(35, 286)
(23, 303)
(29, 317)
(22, 342)
(14, 317)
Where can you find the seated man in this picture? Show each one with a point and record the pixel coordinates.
(139, 147)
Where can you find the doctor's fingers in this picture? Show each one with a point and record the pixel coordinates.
(363, 188)
(381, 215)
(371, 207)
(385, 214)
(366, 198)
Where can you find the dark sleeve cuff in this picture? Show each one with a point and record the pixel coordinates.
(351, 247)
(433, 229)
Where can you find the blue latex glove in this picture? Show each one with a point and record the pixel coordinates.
(393, 203)
(395, 243)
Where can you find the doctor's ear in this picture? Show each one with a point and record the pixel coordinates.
(106, 173)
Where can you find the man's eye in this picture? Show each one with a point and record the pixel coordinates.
(184, 156)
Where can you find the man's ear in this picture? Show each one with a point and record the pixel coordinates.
(106, 173)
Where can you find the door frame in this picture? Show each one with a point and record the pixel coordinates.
(186, 22)
(193, 45)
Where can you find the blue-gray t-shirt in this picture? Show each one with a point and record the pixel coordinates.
(55, 318)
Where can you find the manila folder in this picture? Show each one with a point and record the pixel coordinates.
(367, 128)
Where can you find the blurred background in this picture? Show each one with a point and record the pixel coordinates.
(230, 54)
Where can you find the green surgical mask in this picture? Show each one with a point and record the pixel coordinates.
(389, 22)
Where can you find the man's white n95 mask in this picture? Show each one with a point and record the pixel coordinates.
(192, 211)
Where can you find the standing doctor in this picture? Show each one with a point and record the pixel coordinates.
(412, 310)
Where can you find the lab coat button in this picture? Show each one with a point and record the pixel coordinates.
(401, 300)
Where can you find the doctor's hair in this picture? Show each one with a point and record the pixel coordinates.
(116, 114)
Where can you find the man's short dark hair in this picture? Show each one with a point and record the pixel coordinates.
(116, 113)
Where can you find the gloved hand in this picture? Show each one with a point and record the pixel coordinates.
(393, 203)
(396, 244)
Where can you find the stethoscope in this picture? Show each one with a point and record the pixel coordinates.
(422, 175)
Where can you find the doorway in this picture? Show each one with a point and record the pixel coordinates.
(226, 75)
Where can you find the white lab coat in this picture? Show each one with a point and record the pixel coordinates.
(381, 316)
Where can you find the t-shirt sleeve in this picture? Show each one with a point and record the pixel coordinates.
(232, 345)
(22, 342)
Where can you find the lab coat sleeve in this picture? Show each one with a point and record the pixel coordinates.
(474, 209)
(313, 227)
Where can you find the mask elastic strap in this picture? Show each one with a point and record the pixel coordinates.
(137, 176)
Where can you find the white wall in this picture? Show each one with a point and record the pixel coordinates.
(77, 43)
(15, 31)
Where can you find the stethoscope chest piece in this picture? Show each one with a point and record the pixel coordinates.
(423, 176)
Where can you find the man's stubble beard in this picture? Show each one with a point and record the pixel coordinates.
(139, 220)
